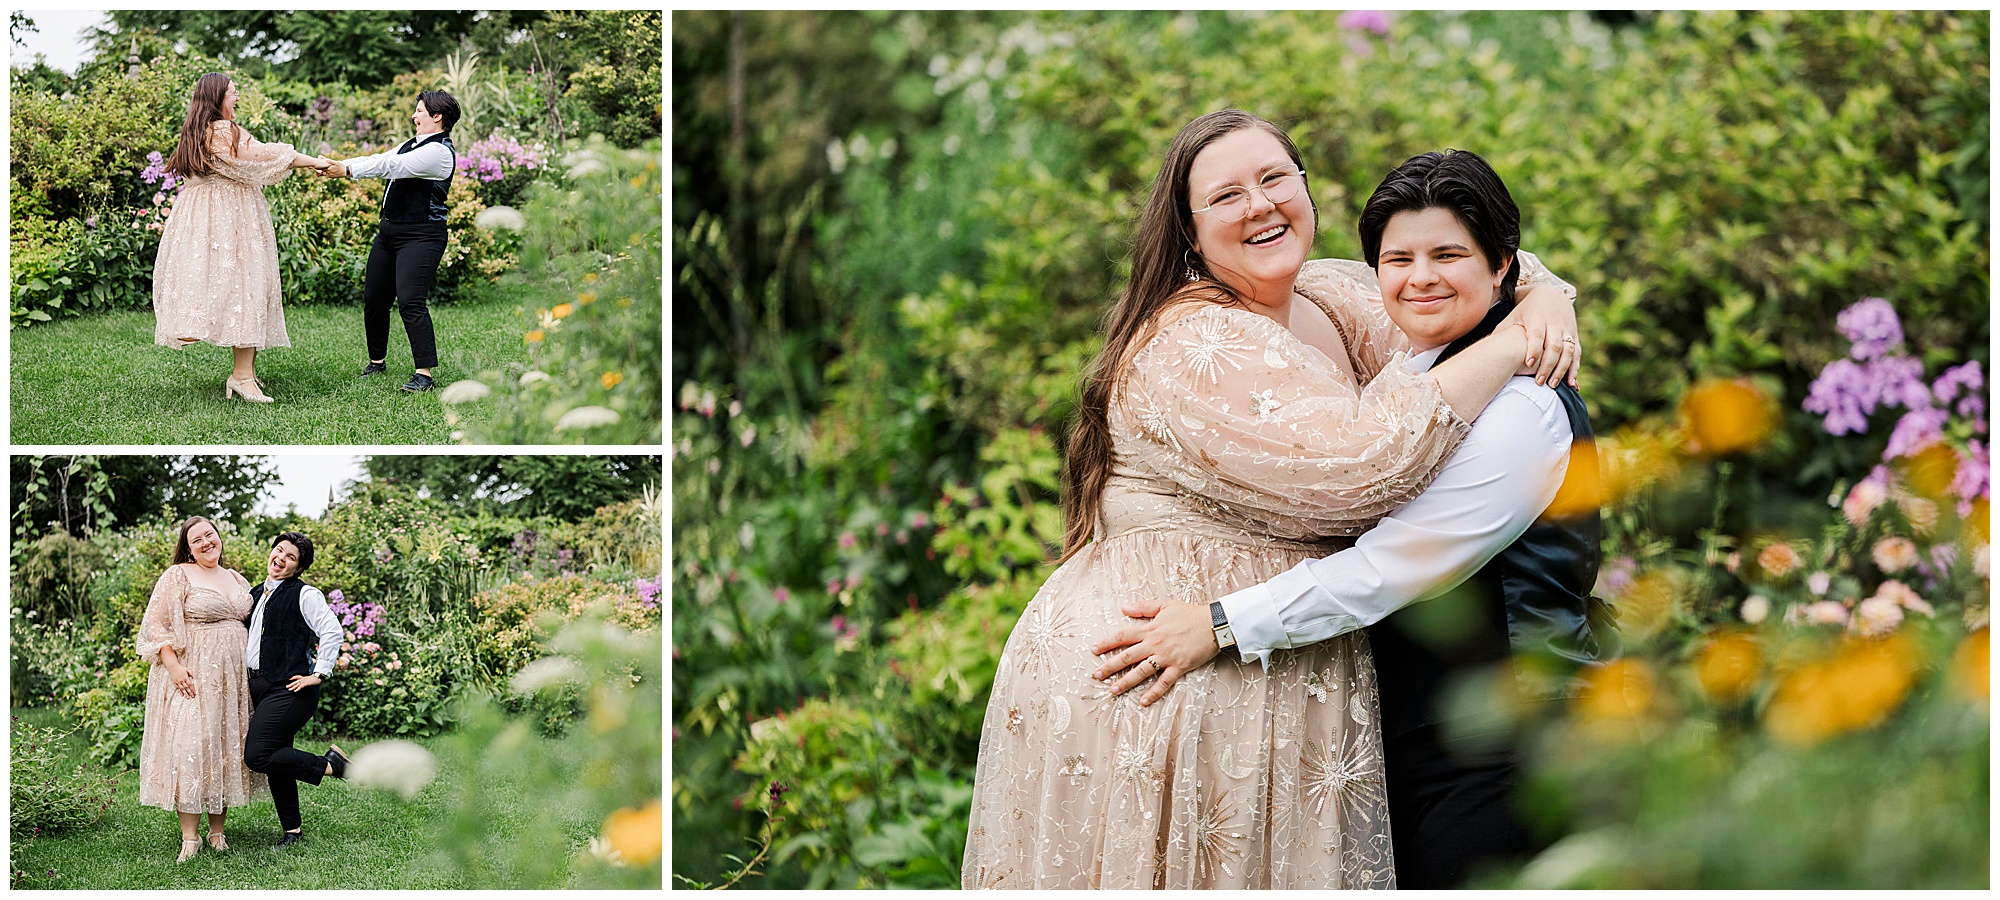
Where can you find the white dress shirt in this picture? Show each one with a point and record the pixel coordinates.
(1488, 493)
(312, 605)
(430, 160)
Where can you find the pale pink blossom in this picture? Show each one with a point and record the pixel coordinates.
(1862, 502)
(1877, 615)
(1756, 608)
(1894, 554)
(1826, 612)
(1902, 595)
(1922, 514)
(1818, 583)
(1778, 560)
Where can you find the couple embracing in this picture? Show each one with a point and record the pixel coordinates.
(235, 675)
(215, 279)
(1280, 466)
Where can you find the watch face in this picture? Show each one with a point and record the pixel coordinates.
(1225, 636)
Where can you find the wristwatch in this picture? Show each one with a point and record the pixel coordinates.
(1225, 638)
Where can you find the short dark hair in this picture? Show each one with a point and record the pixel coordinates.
(441, 104)
(1454, 180)
(303, 544)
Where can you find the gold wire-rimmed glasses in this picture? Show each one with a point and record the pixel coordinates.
(1232, 202)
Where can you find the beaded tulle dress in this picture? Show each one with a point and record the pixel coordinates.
(191, 754)
(216, 276)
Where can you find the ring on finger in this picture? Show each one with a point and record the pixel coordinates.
(1155, 664)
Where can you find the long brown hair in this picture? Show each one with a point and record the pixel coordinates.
(183, 553)
(1163, 251)
(192, 155)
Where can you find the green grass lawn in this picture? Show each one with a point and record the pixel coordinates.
(355, 837)
(100, 379)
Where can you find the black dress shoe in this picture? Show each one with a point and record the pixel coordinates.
(338, 761)
(290, 838)
(418, 383)
(373, 368)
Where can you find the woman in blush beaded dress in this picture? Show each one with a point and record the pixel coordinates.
(215, 279)
(198, 695)
(1248, 411)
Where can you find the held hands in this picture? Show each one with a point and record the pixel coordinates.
(1169, 640)
(301, 682)
(329, 168)
(183, 680)
(1550, 322)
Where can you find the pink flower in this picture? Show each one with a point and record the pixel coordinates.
(833, 587)
(781, 594)
(1778, 560)
(1862, 502)
(1732, 562)
(1877, 616)
(1818, 583)
(1756, 608)
(1922, 514)
(1370, 20)
(1901, 595)
(380, 683)
(1894, 554)
(1826, 612)
(846, 540)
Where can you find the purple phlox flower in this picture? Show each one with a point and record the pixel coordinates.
(1872, 325)
(649, 591)
(90, 221)
(1845, 394)
(1917, 429)
(1373, 20)
(1970, 380)
(336, 596)
(1902, 381)
(1973, 481)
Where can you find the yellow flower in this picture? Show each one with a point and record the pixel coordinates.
(589, 277)
(1971, 667)
(1929, 471)
(1582, 488)
(638, 181)
(1727, 417)
(587, 297)
(561, 310)
(536, 336)
(1727, 666)
(1616, 696)
(624, 302)
(1648, 604)
(611, 380)
(635, 833)
(1859, 685)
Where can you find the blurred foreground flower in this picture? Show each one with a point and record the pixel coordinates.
(400, 766)
(464, 391)
(1727, 666)
(635, 834)
(1724, 418)
(500, 217)
(546, 672)
(1857, 686)
(1971, 667)
(587, 417)
(1645, 608)
(1779, 560)
(1582, 488)
(1615, 697)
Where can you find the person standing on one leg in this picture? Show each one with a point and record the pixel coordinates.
(410, 242)
(285, 677)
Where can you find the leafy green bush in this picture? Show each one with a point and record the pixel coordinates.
(43, 798)
(113, 716)
(591, 244)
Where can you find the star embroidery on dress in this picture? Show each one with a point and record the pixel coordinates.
(1211, 348)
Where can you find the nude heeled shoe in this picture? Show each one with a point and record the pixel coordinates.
(245, 389)
(189, 849)
(216, 841)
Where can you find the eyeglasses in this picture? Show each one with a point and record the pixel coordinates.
(1232, 202)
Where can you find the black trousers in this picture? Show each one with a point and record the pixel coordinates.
(1449, 814)
(276, 716)
(402, 265)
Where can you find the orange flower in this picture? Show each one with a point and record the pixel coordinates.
(1855, 688)
(536, 336)
(1615, 697)
(611, 379)
(1779, 560)
(1582, 488)
(586, 298)
(1929, 471)
(1648, 604)
(561, 310)
(635, 834)
(1971, 668)
(1727, 666)
(1727, 417)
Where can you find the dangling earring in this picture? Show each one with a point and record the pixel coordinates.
(1187, 260)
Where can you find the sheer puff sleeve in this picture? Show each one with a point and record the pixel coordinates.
(248, 160)
(165, 622)
(1347, 290)
(1262, 433)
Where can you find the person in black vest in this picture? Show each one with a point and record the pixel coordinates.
(410, 242)
(287, 616)
(1442, 234)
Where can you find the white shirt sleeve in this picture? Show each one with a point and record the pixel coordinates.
(1485, 497)
(431, 161)
(312, 605)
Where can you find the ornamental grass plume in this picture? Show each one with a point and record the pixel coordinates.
(546, 672)
(465, 391)
(400, 766)
(1859, 685)
(504, 217)
(587, 417)
(1727, 417)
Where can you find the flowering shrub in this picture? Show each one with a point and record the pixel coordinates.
(43, 796)
(500, 168)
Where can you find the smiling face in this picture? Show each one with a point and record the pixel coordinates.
(284, 560)
(229, 102)
(205, 545)
(1260, 254)
(1436, 283)
(425, 122)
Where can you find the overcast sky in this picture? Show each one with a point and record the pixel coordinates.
(305, 480)
(58, 35)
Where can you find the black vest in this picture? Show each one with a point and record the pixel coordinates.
(411, 200)
(288, 642)
(1531, 600)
